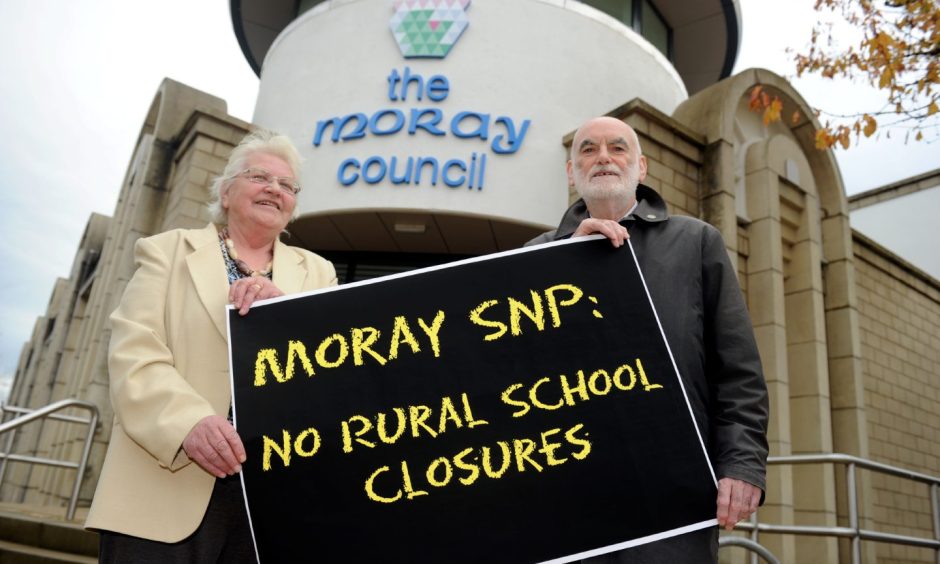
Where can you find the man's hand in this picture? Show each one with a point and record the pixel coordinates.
(737, 499)
(214, 445)
(611, 229)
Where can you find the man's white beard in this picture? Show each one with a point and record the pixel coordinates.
(600, 188)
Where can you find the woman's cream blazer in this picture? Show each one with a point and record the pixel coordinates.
(168, 365)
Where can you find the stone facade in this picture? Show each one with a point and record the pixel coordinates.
(847, 332)
(183, 144)
(900, 334)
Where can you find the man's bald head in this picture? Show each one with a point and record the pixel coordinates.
(591, 125)
(606, 165)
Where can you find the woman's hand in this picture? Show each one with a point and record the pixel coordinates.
(246, 291)
(214, 445)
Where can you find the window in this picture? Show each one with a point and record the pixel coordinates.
(620, 9)
(305, 5)
(654, 28)
(642, 17)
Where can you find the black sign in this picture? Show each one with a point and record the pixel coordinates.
(518, 408)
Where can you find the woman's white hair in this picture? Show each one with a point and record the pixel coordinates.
(260, 141)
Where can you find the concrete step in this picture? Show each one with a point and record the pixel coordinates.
(42, 535)
(14, 553)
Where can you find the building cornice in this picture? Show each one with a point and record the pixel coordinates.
(911, 185)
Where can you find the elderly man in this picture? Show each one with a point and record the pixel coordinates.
(695, 291)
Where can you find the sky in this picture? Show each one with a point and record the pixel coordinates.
(905, 238)
(78, 78)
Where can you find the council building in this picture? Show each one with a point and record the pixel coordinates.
(436, 130)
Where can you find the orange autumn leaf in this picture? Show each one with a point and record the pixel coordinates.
(870, 125)
(895, 50)
(772, 112)
(754, 103)
(885, 78)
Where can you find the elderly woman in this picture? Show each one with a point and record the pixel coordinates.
(168, 490)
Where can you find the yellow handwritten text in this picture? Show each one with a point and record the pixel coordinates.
(551, 393)
(420, 420)
(467, 466)
(539, 311)
(305, 445)
(362, 344)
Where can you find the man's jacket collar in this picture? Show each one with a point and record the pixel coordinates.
(651, 208)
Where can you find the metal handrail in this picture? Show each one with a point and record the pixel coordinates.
(49, 411)
(854, 531)
(750, 545)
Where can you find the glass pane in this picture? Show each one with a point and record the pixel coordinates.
(620, 9)
(305, 5)
(655, 29)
